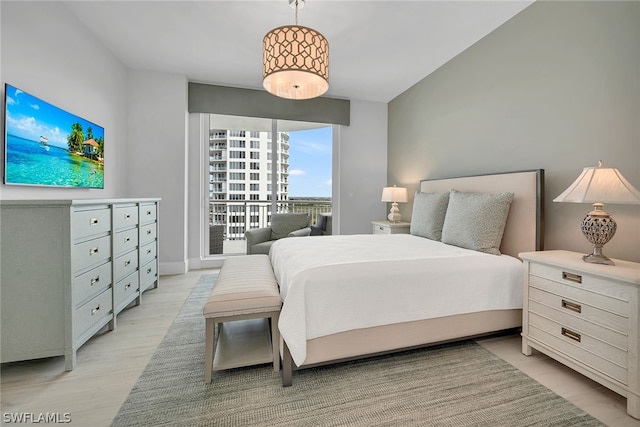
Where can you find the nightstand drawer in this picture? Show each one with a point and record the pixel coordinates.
(581, 347)
(580, 305)
(381, 229)
(601, 332)
(616, 294)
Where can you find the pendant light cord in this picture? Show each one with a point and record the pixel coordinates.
(296, 12)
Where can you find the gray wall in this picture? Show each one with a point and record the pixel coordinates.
(557, 87)
(149, 140)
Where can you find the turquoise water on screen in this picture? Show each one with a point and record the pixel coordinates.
(28, 162)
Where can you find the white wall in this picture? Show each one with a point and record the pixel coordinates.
(150, 141)
(68, 68)
(360, 168)
(157, 157)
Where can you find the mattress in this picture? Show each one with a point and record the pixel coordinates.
(333, 284)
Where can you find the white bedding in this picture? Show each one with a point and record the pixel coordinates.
(332, 284)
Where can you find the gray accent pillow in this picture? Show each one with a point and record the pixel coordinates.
(283, 224)
(429, 210)
(476, 221)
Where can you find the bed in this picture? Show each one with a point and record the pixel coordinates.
(348, 297)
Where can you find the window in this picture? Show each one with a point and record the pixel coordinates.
(236, 206)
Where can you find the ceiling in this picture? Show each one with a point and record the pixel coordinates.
(377, 49)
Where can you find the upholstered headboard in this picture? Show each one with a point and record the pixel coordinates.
(524, 230)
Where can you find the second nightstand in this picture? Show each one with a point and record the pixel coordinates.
(388, 227)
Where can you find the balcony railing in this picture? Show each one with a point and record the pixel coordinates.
(229, 219)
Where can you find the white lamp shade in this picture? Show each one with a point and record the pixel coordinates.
(600, 185)
(394, 194)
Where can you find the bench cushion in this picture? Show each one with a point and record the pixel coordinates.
(245, 284)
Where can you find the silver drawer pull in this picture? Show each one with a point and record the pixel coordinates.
(148, 251)
(148, 232)
(127, 239)
(570, 334)
(127, 216)
(148, 270)
(93, 251)
(572, 277)
(127, 262)
(148, 212)
(127, 286)
(94, 281)
(93, 221)
(95, 310)
(571, 306)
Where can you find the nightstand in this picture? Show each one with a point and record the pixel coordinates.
(586, 317)
(388, 227)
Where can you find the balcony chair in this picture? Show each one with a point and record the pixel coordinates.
(323, 225)
(259, 240)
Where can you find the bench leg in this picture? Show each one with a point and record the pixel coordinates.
(275, 341)
(287, 366)
(209, 339)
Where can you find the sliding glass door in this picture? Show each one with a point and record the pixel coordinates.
(259, 166)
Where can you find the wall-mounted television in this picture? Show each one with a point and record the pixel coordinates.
(48, 146)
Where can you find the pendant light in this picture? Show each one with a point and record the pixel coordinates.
(295, 60)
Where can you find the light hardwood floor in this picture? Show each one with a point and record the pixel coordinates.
(110, 363)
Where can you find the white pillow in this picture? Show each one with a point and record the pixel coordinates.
(476, 221)
(429, 210)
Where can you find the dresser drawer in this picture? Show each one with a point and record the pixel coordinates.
(148, 274)
(90, 253)
(148, 252)
(125, 216)
(124, 241)
(148, 213)
(148, 233)
(87, 223)
(582, 305)
(125, 265)
(92, 313)
(125, 291)
(581, 347)
(91, 283)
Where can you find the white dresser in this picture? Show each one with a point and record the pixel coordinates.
(586, 317)
(68, 268)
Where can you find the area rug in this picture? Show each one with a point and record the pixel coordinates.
(459, 384)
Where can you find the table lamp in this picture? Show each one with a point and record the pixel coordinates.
(394, 195)
(598, 185)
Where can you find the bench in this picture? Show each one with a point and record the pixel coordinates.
(245, 289)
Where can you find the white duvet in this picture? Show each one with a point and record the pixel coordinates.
(332, 284)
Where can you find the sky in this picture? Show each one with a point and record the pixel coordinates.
(29, 117)
(310, 163)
